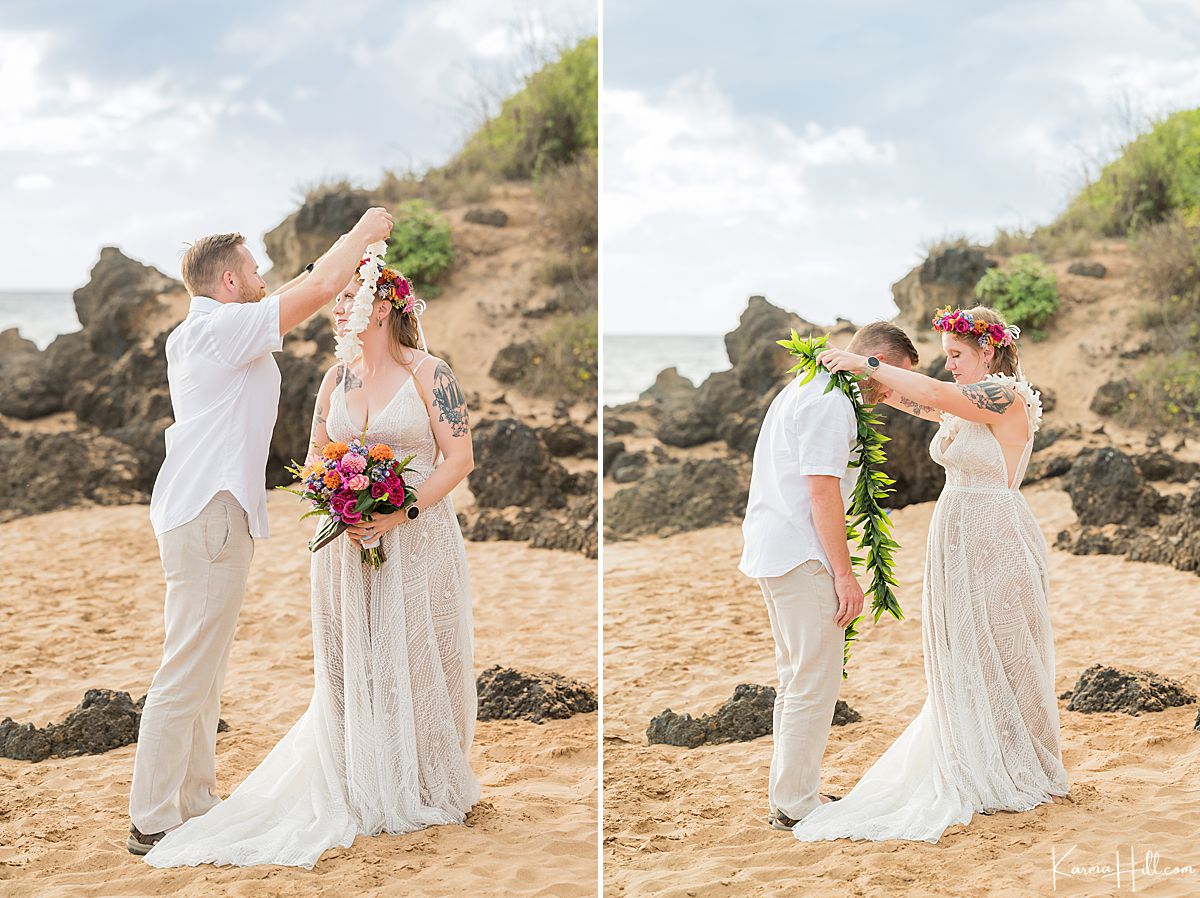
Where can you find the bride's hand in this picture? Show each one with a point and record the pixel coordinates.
(841, 360)
(376, 527)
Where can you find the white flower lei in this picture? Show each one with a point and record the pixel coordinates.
(348, 344)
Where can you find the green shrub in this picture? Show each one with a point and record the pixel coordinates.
(1168, 394)
(550, 122)
(420, 245)
(1167, 263)
(1053, 242)
(1157, 173)
(1025, 293)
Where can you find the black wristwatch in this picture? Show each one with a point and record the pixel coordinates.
(872, 364)
(412, 512)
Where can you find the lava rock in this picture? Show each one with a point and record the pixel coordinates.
(513, 361)
(669, 385)
(679, 496)
(513, 467)
(1087, 269)
(1103, 688)
(629, 466)
(1113, 396)
(1106, 488)
(566, 439)
(509, 694)
(104, 720)
(496, 218)
(746, 716)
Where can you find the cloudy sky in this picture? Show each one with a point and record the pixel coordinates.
(809, 151)
(146, 125)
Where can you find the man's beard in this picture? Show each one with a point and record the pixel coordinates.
(251, 294)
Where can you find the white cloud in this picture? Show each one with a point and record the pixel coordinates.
(33, 182)
(691, 152)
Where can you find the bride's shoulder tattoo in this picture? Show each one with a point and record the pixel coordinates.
(348, 379)
(449, 398)
(990, 396)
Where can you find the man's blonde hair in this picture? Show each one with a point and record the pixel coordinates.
(207, 259)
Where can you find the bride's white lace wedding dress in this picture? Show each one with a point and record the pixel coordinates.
(986, 738)
(384, 744)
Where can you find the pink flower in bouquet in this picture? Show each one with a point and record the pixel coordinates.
(378, 489)
(351, 517)
(353, 463)
(358, 482)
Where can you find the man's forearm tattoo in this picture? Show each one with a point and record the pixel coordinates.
(990, 396)
(916, 407)
(448, 397)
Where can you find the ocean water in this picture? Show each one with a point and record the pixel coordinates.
(40, 315)
(632, 362)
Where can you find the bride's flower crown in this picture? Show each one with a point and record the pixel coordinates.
(962, 323)
(395, 288)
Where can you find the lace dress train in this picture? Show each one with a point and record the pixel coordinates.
(986, 738)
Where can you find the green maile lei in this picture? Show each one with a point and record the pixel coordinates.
(867, 524)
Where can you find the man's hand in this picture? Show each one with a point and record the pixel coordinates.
(850, 599)
(841, 360)
(375, 225)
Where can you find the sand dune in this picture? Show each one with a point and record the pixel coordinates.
(683, 627)
(82, 606)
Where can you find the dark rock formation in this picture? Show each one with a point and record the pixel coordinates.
(308, 232)
(496, 218)
(679, 496)
(1113, 396)
(513, 467)
(1106, 488)
(628, 467)
(508, 694)
(1103, 688)
(568, 440)
(513, 361)
(947, 277)
(747, 715)
(104, 720)
(1087, 269)
(669, 385)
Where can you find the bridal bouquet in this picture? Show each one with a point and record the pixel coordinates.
(348, 483)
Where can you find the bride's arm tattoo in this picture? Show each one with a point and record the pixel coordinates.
(990, 396)
(451, 402)
(915, 407)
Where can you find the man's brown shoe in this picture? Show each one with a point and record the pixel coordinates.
(140, 843)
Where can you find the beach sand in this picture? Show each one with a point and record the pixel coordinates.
(81, 607)
(683, 627)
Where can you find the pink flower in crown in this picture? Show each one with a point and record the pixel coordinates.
(353, 463)
(962, 325)
(359, 482)
(999, 334)
(403, 288)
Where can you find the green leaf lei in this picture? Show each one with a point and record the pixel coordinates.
(865, 511)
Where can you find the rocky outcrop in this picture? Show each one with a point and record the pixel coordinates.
(679, 496)
(747, 715)
(1101, 688)
(495, 218)
(309, 231)
(947, 277)
(1113, 396)
(508, 694)
(514, 467)
(1087, 269)
(1106, 487)
(104, 720)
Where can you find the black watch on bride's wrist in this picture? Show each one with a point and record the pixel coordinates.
(872, 364)
(412, 512)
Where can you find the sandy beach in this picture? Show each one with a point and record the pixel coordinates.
(683, 627)
(81, 607)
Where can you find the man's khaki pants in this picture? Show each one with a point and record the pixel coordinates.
(808, 658)
(205, 562)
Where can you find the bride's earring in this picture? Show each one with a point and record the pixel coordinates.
(381, 322)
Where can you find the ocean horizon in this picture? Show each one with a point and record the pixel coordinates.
(39, 315)
(632, 362)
